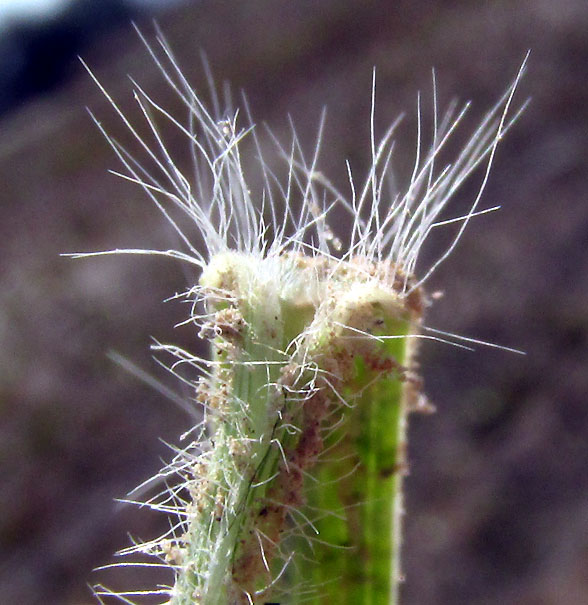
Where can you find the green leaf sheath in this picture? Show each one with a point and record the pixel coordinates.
(356, 497)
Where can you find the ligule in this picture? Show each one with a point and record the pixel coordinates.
(291, 492)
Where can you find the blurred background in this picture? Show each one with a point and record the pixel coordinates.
(497, 497)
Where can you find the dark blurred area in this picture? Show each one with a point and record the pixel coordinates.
(497, 497)
(40, 53)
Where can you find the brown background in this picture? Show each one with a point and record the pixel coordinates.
(497, 497)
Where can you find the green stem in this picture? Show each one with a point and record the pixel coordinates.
(309, 380)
